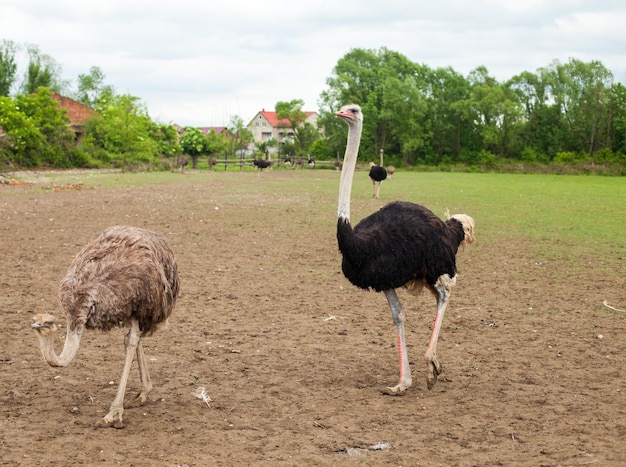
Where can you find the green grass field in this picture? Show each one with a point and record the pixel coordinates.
(563, 216)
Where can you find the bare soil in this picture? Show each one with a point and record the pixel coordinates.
(292, 356)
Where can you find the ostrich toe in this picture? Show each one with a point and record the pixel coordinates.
(397, 390)
(143, 395)
(434, 370)
(114, 418)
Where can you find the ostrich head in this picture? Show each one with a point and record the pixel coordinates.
(468, 228)
(44, 324)
(351, 114)
(46, 329)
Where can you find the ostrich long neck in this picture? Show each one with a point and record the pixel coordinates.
(347, 170)
(72, 341)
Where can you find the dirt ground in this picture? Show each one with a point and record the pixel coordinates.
(292, 356)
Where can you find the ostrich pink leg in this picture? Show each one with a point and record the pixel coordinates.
(443, 287)
(114, 417)
(144, 374)
(405, 370)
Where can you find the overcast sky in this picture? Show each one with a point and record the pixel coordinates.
(200, 62)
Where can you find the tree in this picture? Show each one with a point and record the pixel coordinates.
(22, 142)
(123, 130)
(304, 133)
(194, 143)
(495, 111)
(166, 138)
(42, 71)
(451, 129)
(241, 138)
(582, 92)
(543, 124)
(58, 149)
(217, 144)
(91, 87)
(618, 121)
(8, 66)
(382, 82)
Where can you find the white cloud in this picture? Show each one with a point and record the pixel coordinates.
(199, 63)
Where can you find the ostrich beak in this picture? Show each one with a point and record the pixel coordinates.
(43, 321)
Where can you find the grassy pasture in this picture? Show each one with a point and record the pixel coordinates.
(564, 216)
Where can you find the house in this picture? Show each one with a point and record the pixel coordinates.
(266, 126)
(77, 112)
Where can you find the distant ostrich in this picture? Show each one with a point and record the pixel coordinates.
(391, 170)
(377, 175)
(311, 162)
(183, 161)
(300, 162)
(212, 163)
(261, 164)
(402, 244)
(338, 165)
(126, 277)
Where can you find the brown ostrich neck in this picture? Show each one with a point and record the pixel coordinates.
(72, 342)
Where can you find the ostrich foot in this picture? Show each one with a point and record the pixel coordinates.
(142, 396)
(397, 390)
(434, 370)
(113, 418)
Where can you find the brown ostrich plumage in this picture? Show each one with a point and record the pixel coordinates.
(127, 276)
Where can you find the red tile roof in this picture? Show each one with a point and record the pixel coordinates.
(272, 118)
(76, 112)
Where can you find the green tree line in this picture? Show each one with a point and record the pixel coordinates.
(564, 113)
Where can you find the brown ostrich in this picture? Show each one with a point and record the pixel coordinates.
(391, 170)
(182, 163)
(212, 163)
(126, 277)
(401, 245)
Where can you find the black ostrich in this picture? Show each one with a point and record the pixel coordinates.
(402, 244)
(261, 164)
(377, 174)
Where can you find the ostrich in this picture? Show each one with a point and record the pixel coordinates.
(403, 244)
(391, 170)
(212, 161)
(261, 164)
(378, 174)
(183, 161)
(126, 277)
